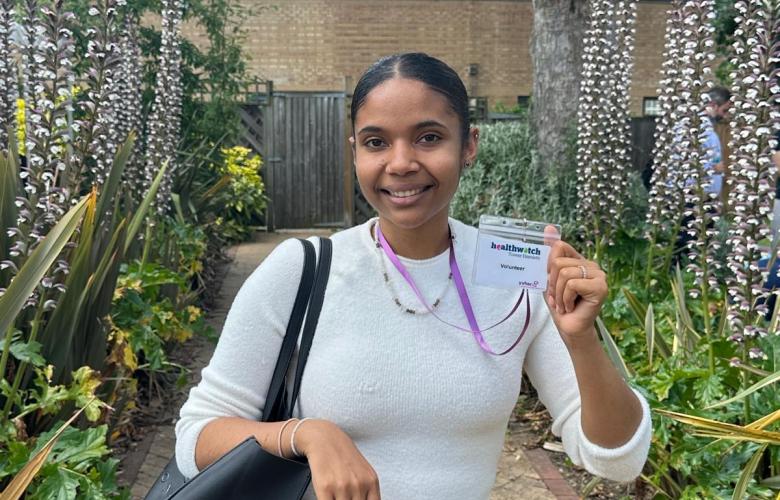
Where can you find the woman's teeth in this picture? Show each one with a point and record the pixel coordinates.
(406, 194)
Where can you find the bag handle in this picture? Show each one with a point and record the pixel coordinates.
(275, 401)
(308, 304)
(313, 315)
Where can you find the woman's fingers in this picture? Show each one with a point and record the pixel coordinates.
(554, 267)
(551, 234)
(568, 281)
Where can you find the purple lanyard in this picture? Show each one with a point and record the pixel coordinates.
(464, 297)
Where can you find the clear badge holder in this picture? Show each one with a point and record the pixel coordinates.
(513, 253)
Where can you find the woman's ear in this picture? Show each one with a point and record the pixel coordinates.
(472, 146)
(352, 144)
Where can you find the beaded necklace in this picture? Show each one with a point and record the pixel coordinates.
(391, 287)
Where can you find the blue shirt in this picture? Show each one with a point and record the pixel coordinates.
(713, 156)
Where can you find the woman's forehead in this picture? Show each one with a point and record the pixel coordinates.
(403, 101)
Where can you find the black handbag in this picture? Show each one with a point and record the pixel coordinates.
(248, 471)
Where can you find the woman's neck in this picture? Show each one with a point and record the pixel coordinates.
(423, 242)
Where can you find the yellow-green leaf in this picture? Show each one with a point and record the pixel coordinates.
(24, 477)
(747, 473)
(768, 380)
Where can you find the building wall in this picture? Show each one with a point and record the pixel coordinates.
(307, 45)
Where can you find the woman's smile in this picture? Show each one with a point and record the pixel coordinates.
(404, 195)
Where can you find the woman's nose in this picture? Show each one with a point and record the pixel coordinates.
(403, 159)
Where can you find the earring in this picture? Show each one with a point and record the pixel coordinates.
(467, 164)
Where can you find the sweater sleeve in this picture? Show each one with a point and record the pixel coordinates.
(551, 372)
(236, 379)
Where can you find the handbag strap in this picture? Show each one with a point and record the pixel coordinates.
(313, 314)
(313, 282)
(276, 396)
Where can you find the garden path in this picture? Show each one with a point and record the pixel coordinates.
(519, 470)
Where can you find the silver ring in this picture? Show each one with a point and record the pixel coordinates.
(584, 272)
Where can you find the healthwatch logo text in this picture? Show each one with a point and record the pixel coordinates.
(515, 249)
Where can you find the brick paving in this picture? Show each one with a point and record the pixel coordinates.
(521, 474)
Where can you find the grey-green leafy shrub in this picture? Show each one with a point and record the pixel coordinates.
(508, 180)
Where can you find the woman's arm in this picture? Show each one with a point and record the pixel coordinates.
(611, 411)
(224, 408)
(339, 470)
(604, 425)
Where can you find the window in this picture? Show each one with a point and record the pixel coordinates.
(650, 106)
(478, 108)
(523, 101)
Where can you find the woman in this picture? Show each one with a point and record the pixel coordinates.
(395, 398)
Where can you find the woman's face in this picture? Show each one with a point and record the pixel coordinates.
(408, 152)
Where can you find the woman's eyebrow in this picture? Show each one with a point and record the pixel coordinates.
(370, 129)
(430, 123)
(373, 129)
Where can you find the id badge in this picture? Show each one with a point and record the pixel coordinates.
(513, 253)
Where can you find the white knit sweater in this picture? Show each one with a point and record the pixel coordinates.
(421, 400)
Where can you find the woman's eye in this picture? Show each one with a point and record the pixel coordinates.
(430, 138)
(374, 143)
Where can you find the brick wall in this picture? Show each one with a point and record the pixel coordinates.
(314, 44)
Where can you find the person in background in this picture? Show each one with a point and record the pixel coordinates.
(717, 110)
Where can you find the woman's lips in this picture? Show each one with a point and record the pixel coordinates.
(405, 197)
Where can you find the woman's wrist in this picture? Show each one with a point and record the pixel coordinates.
(308, 434)
(281, 449)
(581, 343)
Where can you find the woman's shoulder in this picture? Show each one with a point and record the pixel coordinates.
(289, 254)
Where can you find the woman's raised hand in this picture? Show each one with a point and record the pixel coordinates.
(576, 290)
(338, 470)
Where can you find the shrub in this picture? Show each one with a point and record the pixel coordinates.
(508, 180)
(242, 202)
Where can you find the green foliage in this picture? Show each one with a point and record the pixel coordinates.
(683, 377)
(725, 25)
(517, 109)
(78, 467)
(62, 349)
(242, 201)
(147, 320)
(506, 179)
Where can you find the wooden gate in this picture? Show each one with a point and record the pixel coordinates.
(302, 138)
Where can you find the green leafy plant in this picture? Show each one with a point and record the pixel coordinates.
(506, 179)
(240, 193)
(147, 319)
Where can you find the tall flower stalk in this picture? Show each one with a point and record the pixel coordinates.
(128, 109)
(756, 96)
(604, 141)
(8, 80)
(666, 198)
(95, 148)
(702, 207)
(46, 51)
(164, 123)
